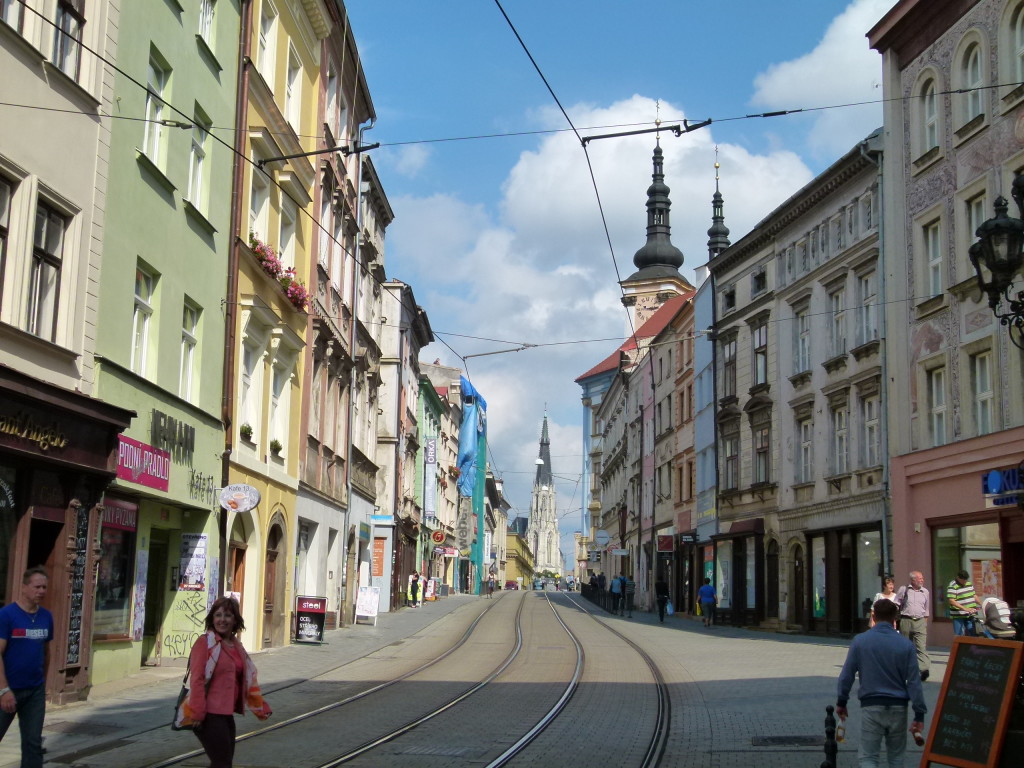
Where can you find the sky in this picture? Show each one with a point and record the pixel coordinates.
(498, 227)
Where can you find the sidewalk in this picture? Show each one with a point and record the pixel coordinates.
(118, 709)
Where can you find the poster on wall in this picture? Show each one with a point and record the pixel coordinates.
(212, 589)
(192, 569)
(139, 613)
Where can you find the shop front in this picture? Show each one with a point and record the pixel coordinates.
(844, 572)
(57, 457)
(959, 508)
(739, 566)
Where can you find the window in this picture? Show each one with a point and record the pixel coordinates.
(691, 475)
(6, 190)
(867, 296)
(837, 300)
(802, 351)
(287, 237)
(937, 406)
(115, 572)
(971, 74)
(871, 434)
(840, 419)
(323, 239)
(189, 339)
(760, 342)
(44, 285)
(67, 36)
(293, 89)
(975, 215)
(197, 174)
(759, 282)
(266, 44)
(729, 368)
(973, 548)
(249, 389)
(206, 11)
(280, 392)
(981, 392)
(729, 299)
(1018, 45)
(331, 118)
(145, 283)
(933, 258)
(929, 117)
(805, 464)
(156, 85)
(259, 200)
(762, 454)
(805, 257)
(730, 449)
(10, 12)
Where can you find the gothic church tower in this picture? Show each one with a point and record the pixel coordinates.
(542, 532)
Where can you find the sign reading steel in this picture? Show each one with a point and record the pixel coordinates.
(311, 614)
(239, 498)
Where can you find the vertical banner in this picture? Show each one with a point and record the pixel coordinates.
(141, 575)
(378, 557)
(192, 569)
(430, 477)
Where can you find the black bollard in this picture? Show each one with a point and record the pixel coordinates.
(831, 747)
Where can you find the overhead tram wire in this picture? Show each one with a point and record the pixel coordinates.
(188, 124)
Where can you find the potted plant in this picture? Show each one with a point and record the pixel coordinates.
(266, 256)
(275, 446)
(294, 289)
(246, 432)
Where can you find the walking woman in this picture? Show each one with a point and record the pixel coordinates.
(223, 681)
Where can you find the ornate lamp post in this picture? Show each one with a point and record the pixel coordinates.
(997, 257)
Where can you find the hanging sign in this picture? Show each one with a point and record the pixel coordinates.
(239, 498)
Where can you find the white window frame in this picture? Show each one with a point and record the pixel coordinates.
(197, 172)
(840, 440)
(931, 241)
(805, 464)
(10, 12)
(973, 75)
(729, 367)
(936, 380)
(1017, 42)
(293, 89)
(67, 37)
(762, 453)
(48, 239)
(259, 200)
(731, 465)
(190, 314)
(287, 233)
(837, 302)
(982, 392)
(872, 430)
(929, 116)
(266, 42)
(156, 86)
(142, 319)
(868, 299)
(759, 341)
(802, 342)
(207, 11)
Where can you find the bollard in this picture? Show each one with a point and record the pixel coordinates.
(831, 747)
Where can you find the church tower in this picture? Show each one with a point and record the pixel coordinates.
(657, 278)
(542, 533)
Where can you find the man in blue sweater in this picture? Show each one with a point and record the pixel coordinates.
(889, 681)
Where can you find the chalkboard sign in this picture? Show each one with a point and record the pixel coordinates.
(311, 614)
(77, 594)
(974, 704)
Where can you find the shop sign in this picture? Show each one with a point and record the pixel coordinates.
(239, 498)
(142, 464)
(201, 487)
(23, 426)
(175, 437)
(122, 515)
(430, 476)
(686, 538)
(664, 543)
(311, 614)
(1002, 487)
(438, 537)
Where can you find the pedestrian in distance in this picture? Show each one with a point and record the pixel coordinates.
(914, 602)
(708, 599)
(630, 590)
(890, 679)
(615, 589)
(661, 596)
(963, 604)
(996, 619)
(888, 593)
(414, 589)
(223, 683)
(26, 629)
(490, 587)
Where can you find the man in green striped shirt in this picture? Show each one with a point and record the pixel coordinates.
(963, 604)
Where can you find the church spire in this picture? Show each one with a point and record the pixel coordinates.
(718, 234)
(658, 255)
(544, 457)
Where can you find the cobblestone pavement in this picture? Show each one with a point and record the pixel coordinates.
(740, 698)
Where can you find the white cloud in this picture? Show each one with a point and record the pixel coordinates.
(412, 159)
(841, 69)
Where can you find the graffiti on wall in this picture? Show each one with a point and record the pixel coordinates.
(179, 643)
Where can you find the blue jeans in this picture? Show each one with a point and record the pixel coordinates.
(31, 708)
(878, 722)
(963, 626)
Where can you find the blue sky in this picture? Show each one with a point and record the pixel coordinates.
(502, 238)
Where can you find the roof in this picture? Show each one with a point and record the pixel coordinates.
(655, 324)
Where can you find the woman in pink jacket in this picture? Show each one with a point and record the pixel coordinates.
(223, 682)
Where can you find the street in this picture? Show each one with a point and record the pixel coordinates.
(466, 680)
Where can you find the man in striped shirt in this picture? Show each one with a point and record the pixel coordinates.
(963, 604)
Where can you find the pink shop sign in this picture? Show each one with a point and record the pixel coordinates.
(142, 464)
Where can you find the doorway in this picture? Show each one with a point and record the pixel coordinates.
(772, 580)
(273, 589)
(798, 587)
(156, 590)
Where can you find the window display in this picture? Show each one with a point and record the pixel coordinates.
(116, 569)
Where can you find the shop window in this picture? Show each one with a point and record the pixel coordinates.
(869, 569)
(115, 577)
(973, 548)
(818, 576)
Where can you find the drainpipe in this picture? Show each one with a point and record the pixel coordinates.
(883, 394)
(231, 304)
(346, 556)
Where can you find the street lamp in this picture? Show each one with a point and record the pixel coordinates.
(997, 258)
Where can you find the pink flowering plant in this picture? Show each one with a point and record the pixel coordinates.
(294, 289)
(266, 256)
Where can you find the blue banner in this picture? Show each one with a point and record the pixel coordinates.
(473, 429)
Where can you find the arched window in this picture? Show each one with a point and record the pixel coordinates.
(929, 116)
(971, 74)
(1017, 43)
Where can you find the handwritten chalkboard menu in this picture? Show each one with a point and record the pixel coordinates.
(77, 595)
(974, 705)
